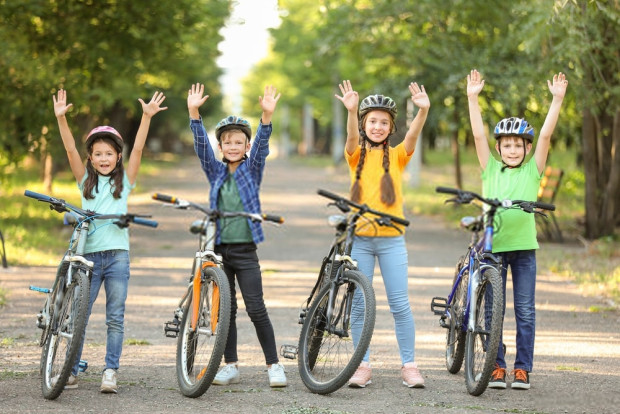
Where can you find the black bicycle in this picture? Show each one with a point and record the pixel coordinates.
(64, 313)
(472, 312)
(341, 298)
(202, 318)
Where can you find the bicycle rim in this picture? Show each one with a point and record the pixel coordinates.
(327, 355)
(65, 337)
(199, 351)
(455, 337)
(482, 344)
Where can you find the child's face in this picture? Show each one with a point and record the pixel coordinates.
(104, 157)
(513, 150)
(377, 125)
(234, 145)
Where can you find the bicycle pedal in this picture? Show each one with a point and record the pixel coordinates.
(39, 289)
(439, 305)
(289, 351)
(83, 365)
(41, 322)
(171, 329)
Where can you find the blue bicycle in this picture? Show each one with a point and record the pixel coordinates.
(64, 313)
(472, 312)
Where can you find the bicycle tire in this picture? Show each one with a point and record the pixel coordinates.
(65, 335)
(200, 351)
(455, 337)
(327, 360)
(482, 344)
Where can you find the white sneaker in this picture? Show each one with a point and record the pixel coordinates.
(71, 384)
(108, 381)
(277, 377)
(228, 374)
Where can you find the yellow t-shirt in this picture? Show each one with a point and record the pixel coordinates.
(370, 182)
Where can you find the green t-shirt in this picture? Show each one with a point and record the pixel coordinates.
(514, 229)
(233, 229)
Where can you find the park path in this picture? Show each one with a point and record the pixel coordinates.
(577, 367)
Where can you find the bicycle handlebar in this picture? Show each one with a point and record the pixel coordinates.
(62, 206)
(184, 204)
(464, 197)
(362, 207)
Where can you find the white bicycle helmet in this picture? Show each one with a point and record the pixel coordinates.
(378, 102)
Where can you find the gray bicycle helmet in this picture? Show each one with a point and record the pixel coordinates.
(378, 102)
(233, 122)
(514, 127)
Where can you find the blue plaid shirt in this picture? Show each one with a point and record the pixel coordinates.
(248, 174)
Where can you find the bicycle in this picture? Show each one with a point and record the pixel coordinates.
(64, 312)
(202, 318)
(472, 312)
(327, 355)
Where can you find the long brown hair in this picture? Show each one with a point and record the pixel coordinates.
(388, 195)
(116, 176)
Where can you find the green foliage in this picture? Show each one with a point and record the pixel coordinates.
(107, 54)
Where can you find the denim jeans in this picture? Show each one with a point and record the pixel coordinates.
(241, 260)
(111, 269)
(523, 269)
(394, 266)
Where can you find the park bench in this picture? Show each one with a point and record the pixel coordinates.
(549, 186)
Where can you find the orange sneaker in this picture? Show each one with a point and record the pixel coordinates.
(361, 377)
(498, 378)
(411, 375)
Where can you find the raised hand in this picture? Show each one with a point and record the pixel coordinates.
(194, 96)
(349, 98)
(269, 100)
(153, 107)
(558, 86)
(419, 96)
(60, 103)
(475, 83)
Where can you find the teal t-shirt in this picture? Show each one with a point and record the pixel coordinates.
(233, 229)
(514, 229)
(103, 234)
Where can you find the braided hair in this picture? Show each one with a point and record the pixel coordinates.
(388, 195)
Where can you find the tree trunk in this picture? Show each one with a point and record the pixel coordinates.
(591, 165)
(456, 153)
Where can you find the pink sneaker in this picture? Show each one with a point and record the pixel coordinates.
(361, 377)
(411, 375)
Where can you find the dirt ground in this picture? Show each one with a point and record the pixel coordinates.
(577, 354)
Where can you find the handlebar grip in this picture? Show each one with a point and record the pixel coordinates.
(327, 194)
(145, 222)
(400, 221)
(544, 206)
(37, 196)
(165, 198)
(273, 218)
(447, 190)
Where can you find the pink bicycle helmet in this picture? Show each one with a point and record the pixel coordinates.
(104, 131)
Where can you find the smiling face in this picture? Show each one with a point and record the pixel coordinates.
(104, 157)
(513, 150)
(377, 125)
(233, 145)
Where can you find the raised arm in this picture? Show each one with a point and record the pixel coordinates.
(420, 99)
(268, 103)
(350, 99)
(60, 109)
(558, 90)
(195, 99)
(475, 83)
(148, 110)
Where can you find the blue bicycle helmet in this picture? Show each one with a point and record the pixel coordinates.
(515, 127)
(233, 122)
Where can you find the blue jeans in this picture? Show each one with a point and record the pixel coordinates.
(394, 266)
(523, 269)
(111, 269)
(241, 260)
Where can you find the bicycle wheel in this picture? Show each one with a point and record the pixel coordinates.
(455, 337)
(200, 349)
(482, 344)
(327, 357)
(65, 333)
